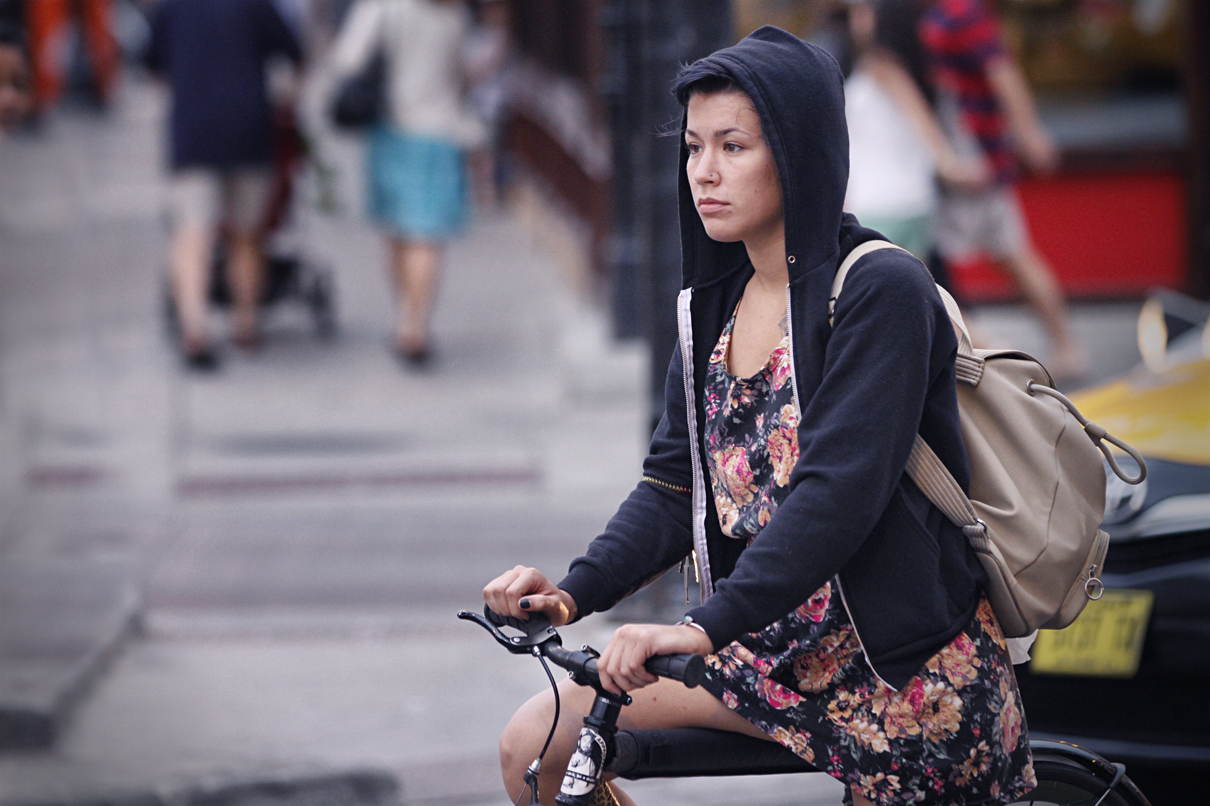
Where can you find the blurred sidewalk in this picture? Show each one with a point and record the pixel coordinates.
(240, 588)
(251, 576)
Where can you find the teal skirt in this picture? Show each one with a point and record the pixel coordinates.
(417, 184)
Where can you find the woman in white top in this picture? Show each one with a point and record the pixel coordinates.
(897, 149)
(415, 159)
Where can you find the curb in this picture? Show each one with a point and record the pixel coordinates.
(39, 693)
(355, 788)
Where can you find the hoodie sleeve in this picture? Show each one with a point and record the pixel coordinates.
(854, 441)
(652, 530)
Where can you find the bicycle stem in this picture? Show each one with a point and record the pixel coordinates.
(594, 748)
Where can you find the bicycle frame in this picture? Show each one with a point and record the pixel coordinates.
(696, 752)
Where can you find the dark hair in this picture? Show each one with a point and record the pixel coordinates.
(703, 77)
(895, 29)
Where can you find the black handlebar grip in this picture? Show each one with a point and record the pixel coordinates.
(501, 620)
(534, 624)
(689, 669)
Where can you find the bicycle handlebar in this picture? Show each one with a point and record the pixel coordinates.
(541, 636)
(688, 669)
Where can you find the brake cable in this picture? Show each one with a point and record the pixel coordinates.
(531, 772)
(538, 632)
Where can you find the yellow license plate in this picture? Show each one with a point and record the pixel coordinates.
(1105, 641)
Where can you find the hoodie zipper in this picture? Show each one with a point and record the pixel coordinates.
(701, 557)
(682, 490)
(798, 410)
(667, 485)
(790, 346)
(844, 601)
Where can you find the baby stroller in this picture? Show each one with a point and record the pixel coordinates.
(290, 276)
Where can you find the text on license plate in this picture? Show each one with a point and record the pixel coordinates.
(1105, 641)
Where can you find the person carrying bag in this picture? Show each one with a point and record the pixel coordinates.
(398, 73)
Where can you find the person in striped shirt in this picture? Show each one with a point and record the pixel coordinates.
(987, 109)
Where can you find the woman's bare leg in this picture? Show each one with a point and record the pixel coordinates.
(666, 704)
(191, 251)
(245, 277)
(1041, 290)
(415, 266)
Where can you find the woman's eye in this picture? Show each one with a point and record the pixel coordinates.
(732, 148)
(693, 147)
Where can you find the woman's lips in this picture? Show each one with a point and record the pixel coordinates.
(708, 205)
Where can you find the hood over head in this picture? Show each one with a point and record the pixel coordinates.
(798, 91)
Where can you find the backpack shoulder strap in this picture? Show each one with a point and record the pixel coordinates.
(925, 468)
(951, 306)
(935, 481)
(857, 253)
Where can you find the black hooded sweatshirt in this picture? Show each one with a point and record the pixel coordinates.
(864, 387)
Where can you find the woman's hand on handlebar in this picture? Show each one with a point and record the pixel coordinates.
(621, 664)
(524, 590)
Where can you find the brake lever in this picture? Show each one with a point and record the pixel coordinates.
(538, 630)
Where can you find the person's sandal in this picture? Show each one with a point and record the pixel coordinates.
(246, 338)
(198, 355)
(414, 354)
(414, 357)
(201, 360)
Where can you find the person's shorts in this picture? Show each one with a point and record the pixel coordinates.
(207, 197)
(988, 221)
(417, 184)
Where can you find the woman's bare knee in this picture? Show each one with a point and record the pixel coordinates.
(665, 704)
(521, 742)
(526, 732)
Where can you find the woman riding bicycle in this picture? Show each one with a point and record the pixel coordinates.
(842, 614)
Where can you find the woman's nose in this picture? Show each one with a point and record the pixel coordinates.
(704, 173)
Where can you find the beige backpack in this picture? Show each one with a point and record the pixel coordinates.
(1037, 491)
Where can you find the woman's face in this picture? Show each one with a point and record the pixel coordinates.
(731, 169)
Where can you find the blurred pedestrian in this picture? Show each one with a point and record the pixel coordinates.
(416, 171)
(897, 148)
(489, 50)
(213, 54)
(51, 27)
(15, 97)
(988, 110)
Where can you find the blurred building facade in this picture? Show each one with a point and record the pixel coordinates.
(591, 99)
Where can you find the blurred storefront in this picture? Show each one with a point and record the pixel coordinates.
(1111, 81)
(1122, 86)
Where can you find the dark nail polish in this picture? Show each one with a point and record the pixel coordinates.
(524, 604)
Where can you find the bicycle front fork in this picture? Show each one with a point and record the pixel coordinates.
(582, 784)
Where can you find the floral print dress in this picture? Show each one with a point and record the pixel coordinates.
(954, 734)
